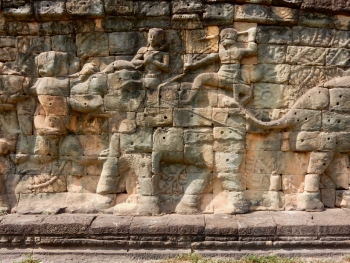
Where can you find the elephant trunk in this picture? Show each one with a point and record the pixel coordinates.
(275, 124)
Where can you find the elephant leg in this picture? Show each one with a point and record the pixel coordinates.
(189, 201)
(310, 200)
(232, 185)
(108, 183)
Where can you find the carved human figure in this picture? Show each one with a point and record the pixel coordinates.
(230, 54)
(152, 60)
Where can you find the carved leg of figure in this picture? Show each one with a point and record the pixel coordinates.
(209, 79)
(189, 201)
(232, 184)
(310, 200)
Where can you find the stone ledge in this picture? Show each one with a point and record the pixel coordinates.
(257, 230)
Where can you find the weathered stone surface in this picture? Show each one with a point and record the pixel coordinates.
(218, 14)
(316, 20)
(50, 10)
(274, 35)
(110, 225)
(92, 44)
(257, 223)
(119, 7)
(66, 224)
(187, 107)
(86, 9)
(221, 225)
(306, 56)
(22, 224)
(186, 21)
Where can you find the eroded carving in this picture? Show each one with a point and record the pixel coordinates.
(242, 108)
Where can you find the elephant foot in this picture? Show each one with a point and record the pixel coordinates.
(309, 201)
(188, 205)
(147, 206)
(237, 203)
(108, 183)
(190, 97)
(124, 209)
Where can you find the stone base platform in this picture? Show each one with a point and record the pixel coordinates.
(289, 233)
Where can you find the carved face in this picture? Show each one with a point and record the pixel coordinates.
(155, 38)
(228, 37)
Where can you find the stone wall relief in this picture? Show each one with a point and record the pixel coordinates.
(148, 137)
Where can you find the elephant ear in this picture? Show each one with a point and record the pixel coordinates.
(342, 82)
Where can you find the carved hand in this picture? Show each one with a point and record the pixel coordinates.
(251, 34)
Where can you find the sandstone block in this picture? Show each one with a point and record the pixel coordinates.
(141, 141)
(269, 73)
(305, 76)
(125, 100)
(54, 105)
(86, 9)
(316, 20)
(229, 162)
(328, 197)
(196, 41)
(163, 22)
(218, 14)
(263, 142)
(265, 200)
(188, 6)
(119, 7)
(50, 10)
(52, 86)
(165, 138)
(92, 145)
(271, 54)
(118, 23)
(221, 225)
(149, 8)
(110, 224)
(232, 181)
(338, 57)
(7, 41)
(252, 13)
(92, 44)
(57, 28)
(308, 36)
(342, 22)
(319, 161)
(186, 21)
(192, 117)
(63, 43)
(334, 122)
(155, 117)
(7, 54)
(261, 162)
(123, 43)
(259, 182)
(306, 55)
(342, 198)
(273, 35)
(23, 12)
(272, 96)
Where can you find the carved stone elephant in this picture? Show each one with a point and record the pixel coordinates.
(318, 123)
